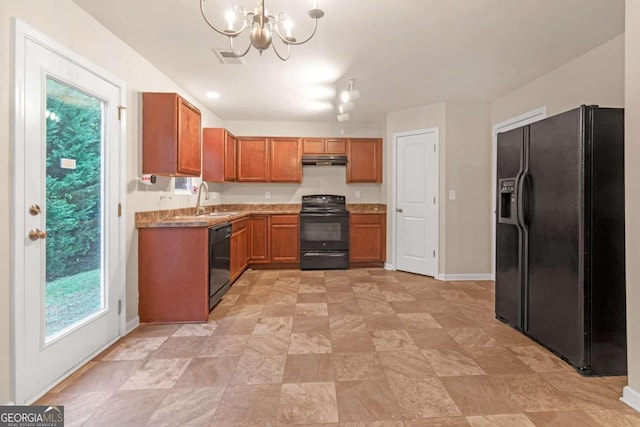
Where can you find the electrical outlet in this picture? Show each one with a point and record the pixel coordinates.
(357, 194)
(267, 195)
(452, 194)
(164, 196)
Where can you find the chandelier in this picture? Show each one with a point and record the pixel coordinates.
(262, 26)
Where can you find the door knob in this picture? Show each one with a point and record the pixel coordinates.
(34, 209)
(36, 233)
(398, 209)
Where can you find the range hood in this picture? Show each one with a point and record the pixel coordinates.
(323, 160)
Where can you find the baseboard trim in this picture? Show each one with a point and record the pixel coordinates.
(10, 403)
(631, 397)
(132, 324)
(388, 266)
(462, 277)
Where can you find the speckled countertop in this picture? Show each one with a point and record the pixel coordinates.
(226, 213)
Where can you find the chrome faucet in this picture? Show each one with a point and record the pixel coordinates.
(200, 209)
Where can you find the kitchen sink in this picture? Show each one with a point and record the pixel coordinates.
(223, 213)
(213, 214)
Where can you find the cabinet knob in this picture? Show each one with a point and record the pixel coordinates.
(398, 209)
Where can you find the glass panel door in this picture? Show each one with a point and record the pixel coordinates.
(69, 232)
(74, 288)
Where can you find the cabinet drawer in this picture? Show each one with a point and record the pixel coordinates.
(366, 218)
(284, 219)
(239, 224)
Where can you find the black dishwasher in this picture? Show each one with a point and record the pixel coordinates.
(219, 259)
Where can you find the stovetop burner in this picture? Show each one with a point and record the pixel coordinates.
(323, 203)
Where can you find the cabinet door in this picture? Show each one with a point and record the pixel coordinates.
(173, 274)
(229, 157)
(213, 154)
(367, 237)
(238, 261)
(313, 146)
(188, 138)
(170, 135)
(258, 239)
(285, 160)
(253, 159)
(285, 238)
(243, 250)
(335, 146)
(364, 160)
(234, 261)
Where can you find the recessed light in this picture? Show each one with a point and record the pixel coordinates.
(212, 95)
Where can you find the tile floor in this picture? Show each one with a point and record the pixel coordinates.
(364, 347)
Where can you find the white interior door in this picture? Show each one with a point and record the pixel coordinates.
(67, 235)
(417, 202)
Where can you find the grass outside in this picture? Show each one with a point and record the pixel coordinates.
(71, 299)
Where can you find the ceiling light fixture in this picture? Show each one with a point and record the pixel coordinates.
(344, 117)
(212, 95)
(350, 94)
(347, 97)
(262, 26)
(345, 108)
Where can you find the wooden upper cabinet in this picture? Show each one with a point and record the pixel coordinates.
(364, 160)
(285, 165)
(253, 159)
(170, 135)
(218, 155)
(335, 146)
(324, 146)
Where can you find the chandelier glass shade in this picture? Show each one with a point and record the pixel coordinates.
(263, 27)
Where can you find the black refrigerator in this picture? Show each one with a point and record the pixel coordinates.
(560, 269)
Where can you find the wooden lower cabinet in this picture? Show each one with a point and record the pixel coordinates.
(367, 238)
(173, 274)
(239, 248)
(259, 239)
(284, 239)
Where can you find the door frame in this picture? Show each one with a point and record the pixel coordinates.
(21, 34)
(512, 123)
(394, 182)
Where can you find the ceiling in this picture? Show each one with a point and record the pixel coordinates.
(403, 53)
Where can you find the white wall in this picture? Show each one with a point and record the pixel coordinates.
(468, 173)
(315, 179)
(465, 167)
(632, 196)
(424, 117)
(597, 77)
(69, 25)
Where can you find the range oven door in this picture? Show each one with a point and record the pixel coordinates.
(324, 232)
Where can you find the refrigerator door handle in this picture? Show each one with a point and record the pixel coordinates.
(523, 199)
